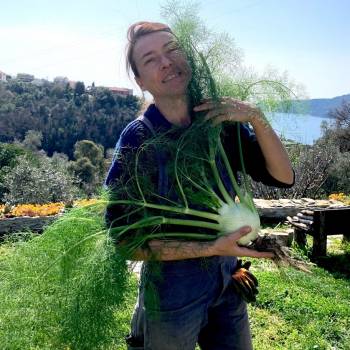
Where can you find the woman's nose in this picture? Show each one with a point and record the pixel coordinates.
(165, 62)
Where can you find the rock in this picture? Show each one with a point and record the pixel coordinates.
(285, 201)
(322, 203)
(283, 237)
(308, 201)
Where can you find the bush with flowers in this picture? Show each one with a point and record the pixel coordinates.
(33, 210)
(341, 197)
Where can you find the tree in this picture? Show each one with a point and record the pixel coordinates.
(79, 88)
(89, 165)
(32, 140)
(338, 135)
(312, 166)
(63, 115)
(39, 182)
(8, 160)
(341, 131)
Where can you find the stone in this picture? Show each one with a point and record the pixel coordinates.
(283, 237)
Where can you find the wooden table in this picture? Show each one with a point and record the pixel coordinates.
(323, 223)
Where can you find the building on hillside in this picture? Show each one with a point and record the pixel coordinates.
(27, 78)
(120, 91)
(3, 76)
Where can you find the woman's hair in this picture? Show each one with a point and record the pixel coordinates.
(135, 32)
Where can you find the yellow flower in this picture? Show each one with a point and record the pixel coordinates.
(37, 209)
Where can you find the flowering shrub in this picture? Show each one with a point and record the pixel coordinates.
(37, 209)
(341, 197)
(41, 209)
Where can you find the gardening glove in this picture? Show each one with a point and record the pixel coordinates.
(244, 282)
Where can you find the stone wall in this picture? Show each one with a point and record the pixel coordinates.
(279, 209)
(25, 223)
(269, 210)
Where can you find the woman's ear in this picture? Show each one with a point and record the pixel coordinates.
(139, 83)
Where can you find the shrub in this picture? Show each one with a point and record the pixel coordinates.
(338, 179)
(312, 166)
(8, 159)
(40, 181)
(89, 166)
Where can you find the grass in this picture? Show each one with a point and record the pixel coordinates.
(294, 310)
(61, 290)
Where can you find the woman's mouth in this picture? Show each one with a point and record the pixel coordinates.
(171, 77)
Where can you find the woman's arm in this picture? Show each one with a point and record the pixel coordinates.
(275, 155)
(178, 250)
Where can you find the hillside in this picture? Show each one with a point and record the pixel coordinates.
(321, 106)
(63, 114)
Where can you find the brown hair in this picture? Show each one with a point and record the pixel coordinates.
(135, 32)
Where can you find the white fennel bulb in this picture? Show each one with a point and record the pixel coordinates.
(234, 216)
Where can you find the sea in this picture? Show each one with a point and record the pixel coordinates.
(302, 128)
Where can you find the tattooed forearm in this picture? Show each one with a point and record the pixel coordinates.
(174, 250)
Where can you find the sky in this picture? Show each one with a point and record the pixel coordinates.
(85, 40)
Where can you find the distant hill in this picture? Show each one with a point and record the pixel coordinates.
(320, 106)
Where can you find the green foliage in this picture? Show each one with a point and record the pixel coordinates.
(295, 310)
(38, 180)
(205, 48)
(313, 168)
(63, 289)
(8, 154)
(63, 115)
(337, 135)
(89, 165)
(32, 140)
(79, 88)
(8, 160)
(338, 179)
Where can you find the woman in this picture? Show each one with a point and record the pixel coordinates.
(195, 304)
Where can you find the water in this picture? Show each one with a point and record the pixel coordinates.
(303, 128)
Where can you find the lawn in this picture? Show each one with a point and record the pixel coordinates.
(294, 310)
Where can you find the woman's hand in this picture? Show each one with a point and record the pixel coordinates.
(228, 246)
(229, 109)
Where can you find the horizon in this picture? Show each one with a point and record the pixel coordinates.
(135, 94)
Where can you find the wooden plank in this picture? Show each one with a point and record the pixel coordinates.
(297, 224)
(308, 212)
(304, 221)
(305, 217)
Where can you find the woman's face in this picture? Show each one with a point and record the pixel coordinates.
(162, 66)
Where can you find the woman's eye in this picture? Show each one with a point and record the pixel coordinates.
(149, 60)
(173, 49)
